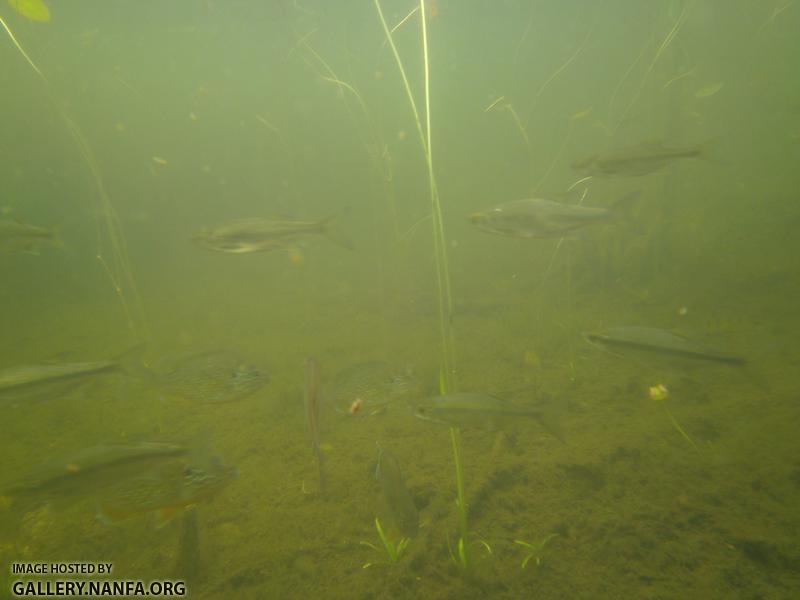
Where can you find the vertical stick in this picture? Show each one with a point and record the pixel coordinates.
(312, 396)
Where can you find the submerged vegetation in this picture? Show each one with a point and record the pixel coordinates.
(393, 550)
(504, 234)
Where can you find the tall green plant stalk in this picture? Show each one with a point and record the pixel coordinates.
(440, 248)
(118, 266)
(447, 381)
(462, 555)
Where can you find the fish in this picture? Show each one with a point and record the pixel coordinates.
(312, 401)
(166, 489)
(16, 236)
(246, 236)
(31, 380)
(401, 512)
(213, 377)
(88, 472)
(482, 411)
(634, 161)
(368, 388)
(659, 341)
(540, 218)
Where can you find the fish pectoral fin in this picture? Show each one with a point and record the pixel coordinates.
(106, 515)
(164, 516)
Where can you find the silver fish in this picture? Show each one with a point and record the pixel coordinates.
(246, 236)
(401, 512)
(634, 161)
(650, 339)
(16, 236)
(540, 218)
(29, 380)
(482, 411)
(89, 471)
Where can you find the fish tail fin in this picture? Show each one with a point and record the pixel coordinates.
(708, 151)
(333, 233)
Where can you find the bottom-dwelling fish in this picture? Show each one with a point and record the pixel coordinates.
(482, 411)
(400, 512)
(634, 161)
(652, 340)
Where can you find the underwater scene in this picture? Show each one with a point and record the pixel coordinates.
(400, 299)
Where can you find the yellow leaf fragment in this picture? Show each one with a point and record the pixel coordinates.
(35, 10)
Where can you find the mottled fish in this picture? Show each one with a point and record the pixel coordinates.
(540, 218)
(212, 377)
(16, 236)
(634, 161)
(246, 236)
(482, 411)
(166, 489)
(368, 388)
(399, 508)
(650, 339)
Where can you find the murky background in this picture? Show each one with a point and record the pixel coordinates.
(132, 126)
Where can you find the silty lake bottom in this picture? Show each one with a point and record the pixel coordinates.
(140, 150)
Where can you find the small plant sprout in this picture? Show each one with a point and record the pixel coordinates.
(534, 549)
(393, 550)
(660, 393)
(461, 556)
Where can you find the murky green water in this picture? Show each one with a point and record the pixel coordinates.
(151, 121)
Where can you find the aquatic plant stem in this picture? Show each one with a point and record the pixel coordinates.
(463, 553)
(659, 51)
(121, 274)
(22, 51)
(447, 372)
(680, 429)
(440, 249)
